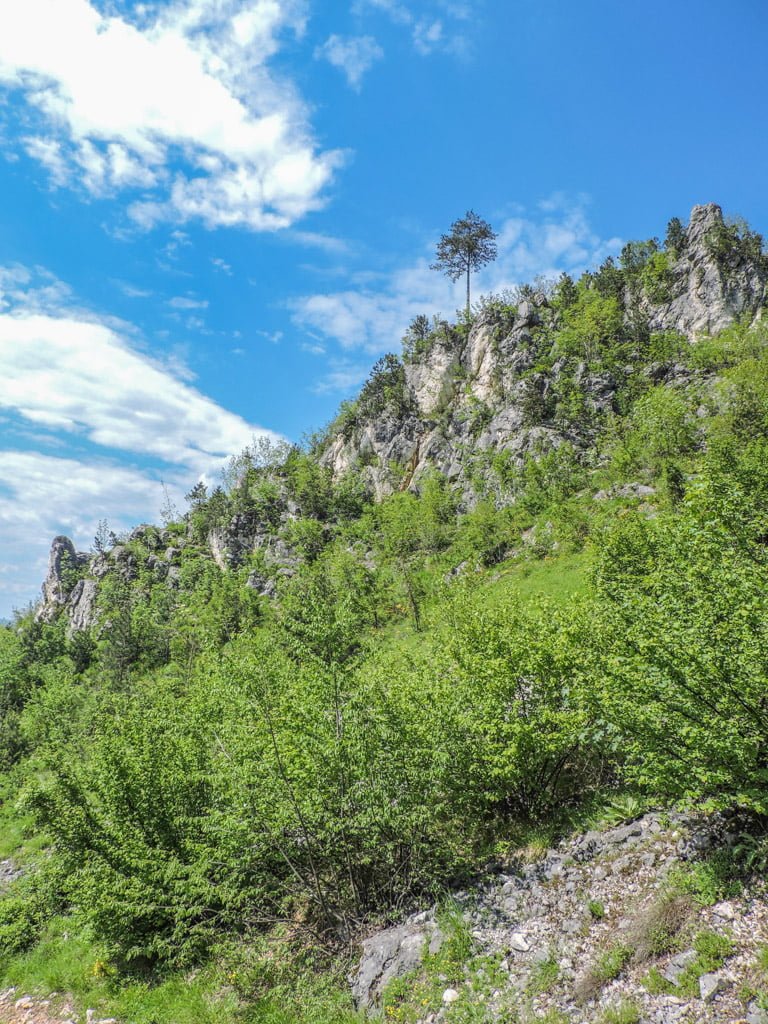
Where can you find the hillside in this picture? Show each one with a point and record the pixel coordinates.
(514, 590)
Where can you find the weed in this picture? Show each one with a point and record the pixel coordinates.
(544, 976)
(605, 968)
(655, 984)
(596, 910)
(625, 1012)
(708, 881)
(712, 950)
(654, 931)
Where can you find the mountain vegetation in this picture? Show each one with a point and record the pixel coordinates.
(521, 574)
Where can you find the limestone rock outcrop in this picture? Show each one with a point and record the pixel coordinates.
(471, 394)
(64, 564)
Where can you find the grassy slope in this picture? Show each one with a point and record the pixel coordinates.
(67, 959)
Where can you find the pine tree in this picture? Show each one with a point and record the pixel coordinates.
(468, 246)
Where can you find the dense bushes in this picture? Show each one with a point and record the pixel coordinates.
(683, 630)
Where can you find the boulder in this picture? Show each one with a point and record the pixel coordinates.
(390, 954)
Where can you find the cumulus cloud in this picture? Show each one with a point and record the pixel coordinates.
(81, 377)
(353, 55)
(373, 314)
(178, 107)
(124, 420)
(186, 302)
(44, 495)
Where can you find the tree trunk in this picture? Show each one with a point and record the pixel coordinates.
(467, 291)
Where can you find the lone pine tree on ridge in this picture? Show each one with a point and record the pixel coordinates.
(467, 247)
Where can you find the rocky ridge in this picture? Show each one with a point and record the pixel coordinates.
(467, 396)
(600, 922)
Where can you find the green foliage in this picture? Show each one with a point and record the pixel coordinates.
(385, 388)
(468, 247)
(309, 483)
(675, 239)
(657, 278)
(217, 771)
(730, 347)
(684, 645)
(608, 280)
(743, 399)
(307, 536)
(635, 256)
(130, 824)
(417, 338)
(544, 479)
(15, 687)
(732, 242)
(26, 906)
(712, 950)
(709, 880)
(660, 427)
(516, 727)
(591, 326)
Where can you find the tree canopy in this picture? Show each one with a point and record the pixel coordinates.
(468, 246)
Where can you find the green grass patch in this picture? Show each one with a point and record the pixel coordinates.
(66, 960)
(544, 976)
(655, 984)
(559, 579)
(712, 950)
(596, 910)
(708, 881)
(607, 966)
(625, 1012)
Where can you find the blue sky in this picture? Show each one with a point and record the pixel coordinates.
(216, 214)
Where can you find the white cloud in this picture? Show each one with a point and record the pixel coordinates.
(185, 302)
(343, 376)
(44, 495)
(315, 240)
(314, 348)
(427, 35)
(131, 291)
(373, 313)
(178, 106)
(81, 379)
(353, 55)
(221, 265)
(440, 26)
(273, 337)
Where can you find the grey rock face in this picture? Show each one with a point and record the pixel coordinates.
(709, 986)
(63, 564)
(707, 296)
(756, 1014)
(8, 873)
(677, 965)
(390, 954)
(81, 607)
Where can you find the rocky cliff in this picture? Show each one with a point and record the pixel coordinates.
(477, 391)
